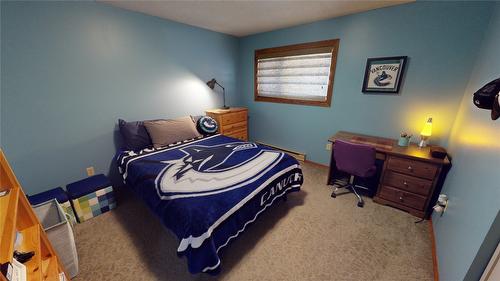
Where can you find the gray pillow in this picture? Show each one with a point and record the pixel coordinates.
(165, 132)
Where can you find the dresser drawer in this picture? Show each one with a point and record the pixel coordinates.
(242, 135)
(402, 197)
(234, 117)
(408, 183)
(231, 128)
(412, 167)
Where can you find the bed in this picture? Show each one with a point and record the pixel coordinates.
(207, 190)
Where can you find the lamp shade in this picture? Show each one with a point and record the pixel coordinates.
(211, 83)
(427, 130)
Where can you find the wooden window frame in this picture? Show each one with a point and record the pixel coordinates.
(299, 49)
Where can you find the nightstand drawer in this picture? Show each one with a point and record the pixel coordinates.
(234, 117)
(402, 197)
(408, 183)
(412, 167)
(231, 128)
(242, 135)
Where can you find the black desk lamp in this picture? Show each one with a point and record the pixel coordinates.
(211, 84)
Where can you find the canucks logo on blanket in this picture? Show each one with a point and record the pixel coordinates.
(208, 190)
(207, 170)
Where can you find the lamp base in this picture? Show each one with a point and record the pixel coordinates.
(423, 141)
(225, 107)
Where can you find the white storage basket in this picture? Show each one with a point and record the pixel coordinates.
(60, 233)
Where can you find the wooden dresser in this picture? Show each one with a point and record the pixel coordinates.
(16, 215)
(233, 122)
(408, 183)
(411, 178)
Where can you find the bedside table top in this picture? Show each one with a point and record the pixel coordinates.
(222, 111)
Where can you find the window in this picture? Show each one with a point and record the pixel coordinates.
(298, 74)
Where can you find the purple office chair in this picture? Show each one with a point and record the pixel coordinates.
(358, 160)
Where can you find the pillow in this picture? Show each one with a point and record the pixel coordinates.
(165, 132)
(134, 134)
(206, 125)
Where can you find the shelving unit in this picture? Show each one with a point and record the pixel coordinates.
(16, 215)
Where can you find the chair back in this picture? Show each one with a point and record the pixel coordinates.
(355, 159)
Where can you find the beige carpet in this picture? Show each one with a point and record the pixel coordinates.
(309, 237)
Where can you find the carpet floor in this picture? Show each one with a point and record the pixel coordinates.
(309, 237)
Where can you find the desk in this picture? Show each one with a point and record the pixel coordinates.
(411, 178)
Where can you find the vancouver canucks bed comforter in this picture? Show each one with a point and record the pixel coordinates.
(208, 190)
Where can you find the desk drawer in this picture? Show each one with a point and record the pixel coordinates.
(242, 135)
(234, 117)
(231, 128)
(402, 197)
(408, 183)
(412, 167)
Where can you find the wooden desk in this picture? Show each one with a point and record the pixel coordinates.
(411, 178)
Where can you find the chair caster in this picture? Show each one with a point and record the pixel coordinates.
(333, 195)
(361, 204)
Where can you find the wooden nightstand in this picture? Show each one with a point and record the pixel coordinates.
(232, 122)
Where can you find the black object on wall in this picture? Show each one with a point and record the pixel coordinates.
(488, 98)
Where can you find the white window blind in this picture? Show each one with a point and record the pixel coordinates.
(303, 77)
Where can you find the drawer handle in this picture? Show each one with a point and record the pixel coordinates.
(405, 183)
(410, 168)
(401, 198)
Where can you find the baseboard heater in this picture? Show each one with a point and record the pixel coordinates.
(297, 155)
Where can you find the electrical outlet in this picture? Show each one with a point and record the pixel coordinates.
(328, 146)
(90, 171)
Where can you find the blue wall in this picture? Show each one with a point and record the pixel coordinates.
(70, 70)
(441, 42)
(473, 184)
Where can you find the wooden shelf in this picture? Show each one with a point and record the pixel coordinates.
(31, 242)
(8, 214)
(50, 269)
(16, 215)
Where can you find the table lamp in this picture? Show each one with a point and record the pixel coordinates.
(425, 133)
(211, 85)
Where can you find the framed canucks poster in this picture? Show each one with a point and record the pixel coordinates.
(383, 75)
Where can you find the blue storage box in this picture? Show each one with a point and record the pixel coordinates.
(91, 197)
(62, 198)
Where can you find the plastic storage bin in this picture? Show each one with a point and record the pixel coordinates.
(59, 231)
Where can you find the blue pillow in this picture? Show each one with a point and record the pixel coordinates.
(206, 125)
(135, 135)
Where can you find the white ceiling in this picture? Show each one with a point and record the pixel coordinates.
(240, 17)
